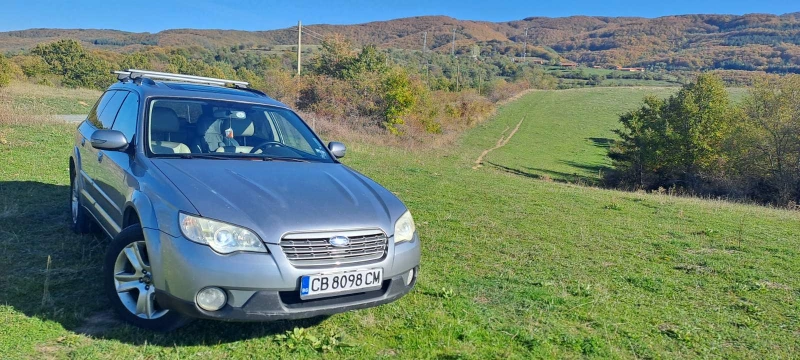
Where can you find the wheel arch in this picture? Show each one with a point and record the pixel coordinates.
(139, 210)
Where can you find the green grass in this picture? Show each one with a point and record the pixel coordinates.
(26, 98)
(668, 80)
(512, 267)
(566, 134)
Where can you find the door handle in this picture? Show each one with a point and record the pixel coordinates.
(100, 157)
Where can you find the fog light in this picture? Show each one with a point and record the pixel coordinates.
(211, 299)
(410, 277)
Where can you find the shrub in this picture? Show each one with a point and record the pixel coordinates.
(399, 98)
(5, 71)
(32, 66)
(78, 68)
(135, 60)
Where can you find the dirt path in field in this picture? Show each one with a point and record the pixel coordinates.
(502, 141)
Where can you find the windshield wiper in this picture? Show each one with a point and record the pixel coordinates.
(278, 158)
(230, 157)
(195, 156)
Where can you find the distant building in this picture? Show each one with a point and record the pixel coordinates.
(568, 64)
(530, 59)
(631, 69)
(537, 60)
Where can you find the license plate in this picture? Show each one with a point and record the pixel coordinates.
(321, 285)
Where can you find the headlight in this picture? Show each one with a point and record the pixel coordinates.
(404, 228)
(223, 238)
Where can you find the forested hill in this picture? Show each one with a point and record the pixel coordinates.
(692, 42)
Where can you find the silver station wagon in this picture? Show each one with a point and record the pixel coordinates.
(222, 203)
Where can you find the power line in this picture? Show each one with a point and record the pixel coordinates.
(315, 33)
(314, 36)
(309, 33)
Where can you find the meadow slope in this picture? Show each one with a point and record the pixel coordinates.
(513, 267)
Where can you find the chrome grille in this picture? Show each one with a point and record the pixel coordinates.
(313, 249)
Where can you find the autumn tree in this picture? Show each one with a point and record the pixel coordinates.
(767, 145)
(74, 64)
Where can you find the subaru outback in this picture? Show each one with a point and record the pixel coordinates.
(221, 203)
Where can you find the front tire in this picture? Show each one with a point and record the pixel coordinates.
(128, 283)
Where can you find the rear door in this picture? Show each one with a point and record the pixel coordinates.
(94, 163)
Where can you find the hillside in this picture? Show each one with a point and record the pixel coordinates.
(687, 42)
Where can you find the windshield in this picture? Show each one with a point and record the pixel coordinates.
(191, 128)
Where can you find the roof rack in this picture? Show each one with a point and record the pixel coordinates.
(136, 74)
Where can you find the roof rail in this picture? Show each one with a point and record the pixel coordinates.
(135, 74)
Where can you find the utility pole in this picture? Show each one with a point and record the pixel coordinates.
(458, 74)
(453, 51)
(299, 41)
(424, 57)
(525, 52)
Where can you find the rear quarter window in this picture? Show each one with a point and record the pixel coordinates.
(108, 114)
(99, 106)
(127, 116)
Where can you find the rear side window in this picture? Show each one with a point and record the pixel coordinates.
(110, 112)
(94, 114)
(127, 116)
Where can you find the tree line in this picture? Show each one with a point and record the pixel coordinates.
(701, 142)
(363, 86)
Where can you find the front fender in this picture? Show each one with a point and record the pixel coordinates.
(141, 203)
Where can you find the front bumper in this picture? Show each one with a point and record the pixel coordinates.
(264, 286)
(274, 305)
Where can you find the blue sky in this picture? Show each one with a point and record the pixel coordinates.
(153, 16)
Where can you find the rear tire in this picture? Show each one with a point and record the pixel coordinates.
(81, 221)
(128, 284)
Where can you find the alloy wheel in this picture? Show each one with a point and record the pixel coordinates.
(133, 280)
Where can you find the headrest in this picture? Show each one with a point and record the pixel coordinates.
(241, 127)
(164, 120)
(207, 125)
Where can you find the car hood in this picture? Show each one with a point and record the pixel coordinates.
(274, 197)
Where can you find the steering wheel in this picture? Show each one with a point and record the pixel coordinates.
(264, 144)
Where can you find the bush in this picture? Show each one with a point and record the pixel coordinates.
(399, 98)
(136, 60)
(5, 71)
(32, 66)
(78, 68)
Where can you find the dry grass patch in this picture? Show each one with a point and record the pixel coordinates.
(32, 99)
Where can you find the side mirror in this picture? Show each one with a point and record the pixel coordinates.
(338, 149)
(109, 140)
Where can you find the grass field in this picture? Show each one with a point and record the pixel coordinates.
(47, 100)
(565, 134)
(512, 267)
